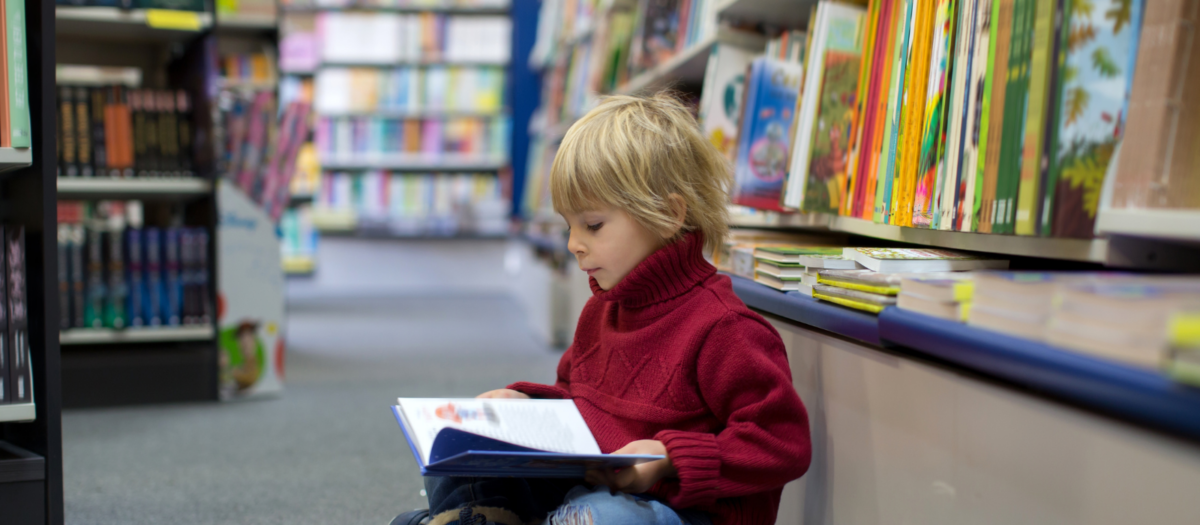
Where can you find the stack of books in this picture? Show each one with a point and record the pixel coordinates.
(793, 268)
(861, 289)
(1183, 336)
(944, 295)
(879, 284)
(1017, 303)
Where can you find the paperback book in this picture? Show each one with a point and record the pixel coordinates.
(763, 140)
(531, 438)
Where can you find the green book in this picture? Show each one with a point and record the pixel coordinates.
(891, 129)
(1014, 116)
(1054, 117)
(1041, 42)
(18, 78)
(985, 111)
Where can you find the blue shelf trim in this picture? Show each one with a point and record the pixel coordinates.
(806, 310)
(1135, 394)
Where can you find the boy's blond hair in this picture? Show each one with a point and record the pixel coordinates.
(631, 153)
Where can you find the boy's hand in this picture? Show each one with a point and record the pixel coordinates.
(637, 478)
(502, 393)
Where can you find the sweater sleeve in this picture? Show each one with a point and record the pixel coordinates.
(744, 378)
(559, 390)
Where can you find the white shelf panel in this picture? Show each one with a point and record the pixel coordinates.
(792, 14)
(18, 412)
(688, 66)
(113, 187)
(15, 159)
(79, 336)
(117, 24)
(1084, 250)
(409, 163)
(1178, 225)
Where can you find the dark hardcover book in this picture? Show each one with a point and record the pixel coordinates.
(177, 5)
(83, 131)
(137, 117)
(99, 148)
(93, 311)
(153, 149)
(200, 250)
(168, 134)
(64, 275)
(115, 315)
(21, 375)
(134, 277)
(70, 162)
(152, 302)
(7, 354)
(173, 302)
(78, 281)
(183, 119)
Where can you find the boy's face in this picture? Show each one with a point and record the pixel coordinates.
(609, 243)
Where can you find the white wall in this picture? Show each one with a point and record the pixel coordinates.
(897, 441)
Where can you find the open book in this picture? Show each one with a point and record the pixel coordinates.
(525, 438)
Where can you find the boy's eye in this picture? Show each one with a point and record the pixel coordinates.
(594, 227)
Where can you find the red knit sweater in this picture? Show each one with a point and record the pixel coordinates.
(670, 353)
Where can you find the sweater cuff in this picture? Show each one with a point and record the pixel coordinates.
(539, 391)
(698, 463)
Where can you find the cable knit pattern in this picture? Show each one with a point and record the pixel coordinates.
(670, 353)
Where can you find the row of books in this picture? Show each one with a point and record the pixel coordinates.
(247, 8)
(1136, 319)
(248, 67)
(115, 272)
(787, 47)
(413, 4)
(994, 116)
(419, 203)
(16, 374)
(258, 144)
(391, 38)
(115, 131)
(178, 5)
(429, 139)
(667, 27)
(410, 89)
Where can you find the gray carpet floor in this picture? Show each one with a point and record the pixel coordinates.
(328, 450)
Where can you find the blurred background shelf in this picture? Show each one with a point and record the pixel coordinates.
(417, 8)
(111, 23)
(133, 188)
(18, 412)
(1175, 225)
(780, 13)
(247, 23)
(411, 164)
(15, 159)
(687, 68)
(82, 336)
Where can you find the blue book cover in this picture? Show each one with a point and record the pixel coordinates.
(152, 261)
(764, 138)
(134, 278)
(173, 299)
(503, 438)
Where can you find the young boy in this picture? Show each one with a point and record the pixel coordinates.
(666, 359)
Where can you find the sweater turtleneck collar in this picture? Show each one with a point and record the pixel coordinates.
(665, 274)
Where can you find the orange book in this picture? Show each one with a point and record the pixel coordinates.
(916, 81)
(412, 136)
(875, 144)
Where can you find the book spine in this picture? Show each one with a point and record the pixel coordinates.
(153, 304)
(115, 314)
(1062, 35)
(66, 110)
(99, 126)
(135, 276)
(8, 354)
(78, 277)
(173, 300)
(200, 250)
(18, 80)
(168, 131)
(93, 313)
(21, 375)
(83, 132)
(183, 110)
(141, 159)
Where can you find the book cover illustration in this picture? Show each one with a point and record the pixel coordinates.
(931, 168)
(1101, 47)
(968, 163)
(763, 142)
(835, 124)
(721, 100)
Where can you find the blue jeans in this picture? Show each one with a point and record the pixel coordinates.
(556, 500)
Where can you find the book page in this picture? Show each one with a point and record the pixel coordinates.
(551, 425)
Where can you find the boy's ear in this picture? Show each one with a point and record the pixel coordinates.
(677, 207)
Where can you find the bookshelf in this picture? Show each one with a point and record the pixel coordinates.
(133, 188)
(14, 159)
(85, 336)
(781, 13)
(243, 23)
(410, 164)
(687, 67)
(134, 24)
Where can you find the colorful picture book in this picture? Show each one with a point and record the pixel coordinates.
(896, 260)
(763, 140)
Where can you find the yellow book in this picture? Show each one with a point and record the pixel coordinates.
(914, 115)
(850, 303)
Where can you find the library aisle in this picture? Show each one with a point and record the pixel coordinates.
(329, 450)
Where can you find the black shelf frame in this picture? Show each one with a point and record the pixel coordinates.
(31, 484)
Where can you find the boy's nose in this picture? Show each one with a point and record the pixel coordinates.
(574, 246)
